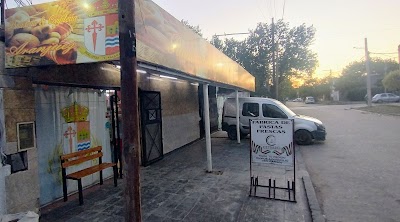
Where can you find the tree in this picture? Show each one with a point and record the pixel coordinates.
(218, 43)
(287, 90)
(352, 82)
(392, 81)
(255, 53)
(196, 28)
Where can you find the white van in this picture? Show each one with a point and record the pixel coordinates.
(306, 128)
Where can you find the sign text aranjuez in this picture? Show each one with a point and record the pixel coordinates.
(272, 141)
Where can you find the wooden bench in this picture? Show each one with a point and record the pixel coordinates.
(79, 157)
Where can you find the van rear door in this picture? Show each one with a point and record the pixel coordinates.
(250, 110)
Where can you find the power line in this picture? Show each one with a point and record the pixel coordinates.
(268, 4)
(238, 33)
(259, 9)
(388, 56)
(383, 53)
(378, 53)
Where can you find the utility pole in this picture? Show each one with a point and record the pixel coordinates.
(385, 74)
(130, 117)
(274, 76)
(2, 2)
(2, 13)
(398, 50)
(368, 72)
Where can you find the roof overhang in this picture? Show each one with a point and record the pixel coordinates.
(163, 43)
(154, 69)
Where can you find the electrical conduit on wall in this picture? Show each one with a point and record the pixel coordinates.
(4, 172)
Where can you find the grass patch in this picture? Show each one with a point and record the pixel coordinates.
(382, 109)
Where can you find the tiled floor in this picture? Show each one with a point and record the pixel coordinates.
(177, 188)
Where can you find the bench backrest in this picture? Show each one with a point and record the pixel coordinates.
(81, 156)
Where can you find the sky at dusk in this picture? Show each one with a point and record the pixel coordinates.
(341, 24)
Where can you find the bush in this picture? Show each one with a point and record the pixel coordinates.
(358, 94)
(392, 81)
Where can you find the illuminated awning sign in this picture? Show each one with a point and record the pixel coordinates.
(72, 32)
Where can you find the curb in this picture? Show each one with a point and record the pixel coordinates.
(376, 113)
(312, 201)
(316, 213)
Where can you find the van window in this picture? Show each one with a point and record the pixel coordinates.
(250, 109)
(272, 111)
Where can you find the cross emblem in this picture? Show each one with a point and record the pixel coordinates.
(69, 134)
(95, 27)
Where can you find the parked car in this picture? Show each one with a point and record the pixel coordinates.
(298, 100)
(309, 99)
(385, 97)
(306, 129)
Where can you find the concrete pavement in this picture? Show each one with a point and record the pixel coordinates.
(177, 188)
(355, 171)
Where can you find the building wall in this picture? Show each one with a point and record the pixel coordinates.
(22, 191)
(180, 110)
(22, 188)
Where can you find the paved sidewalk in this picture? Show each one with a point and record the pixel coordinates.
(177, 188)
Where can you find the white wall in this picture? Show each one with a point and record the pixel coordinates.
(180, 130)
(180, 110)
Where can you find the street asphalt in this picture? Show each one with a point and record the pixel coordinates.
(177, 188)
(356, 170)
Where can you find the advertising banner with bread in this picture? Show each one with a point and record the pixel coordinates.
(84, 31)
(62, 32)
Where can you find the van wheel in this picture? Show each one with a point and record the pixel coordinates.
(232, 133)
(303, 137)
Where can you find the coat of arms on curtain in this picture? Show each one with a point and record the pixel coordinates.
(76, 129)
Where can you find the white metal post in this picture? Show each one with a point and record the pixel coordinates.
(237, 118)
(207, 126)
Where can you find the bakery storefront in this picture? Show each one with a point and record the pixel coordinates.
(63, 57)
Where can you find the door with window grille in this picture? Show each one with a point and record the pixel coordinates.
(151, 125)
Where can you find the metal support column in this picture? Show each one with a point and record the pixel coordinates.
(237, 118)
(207, 127)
